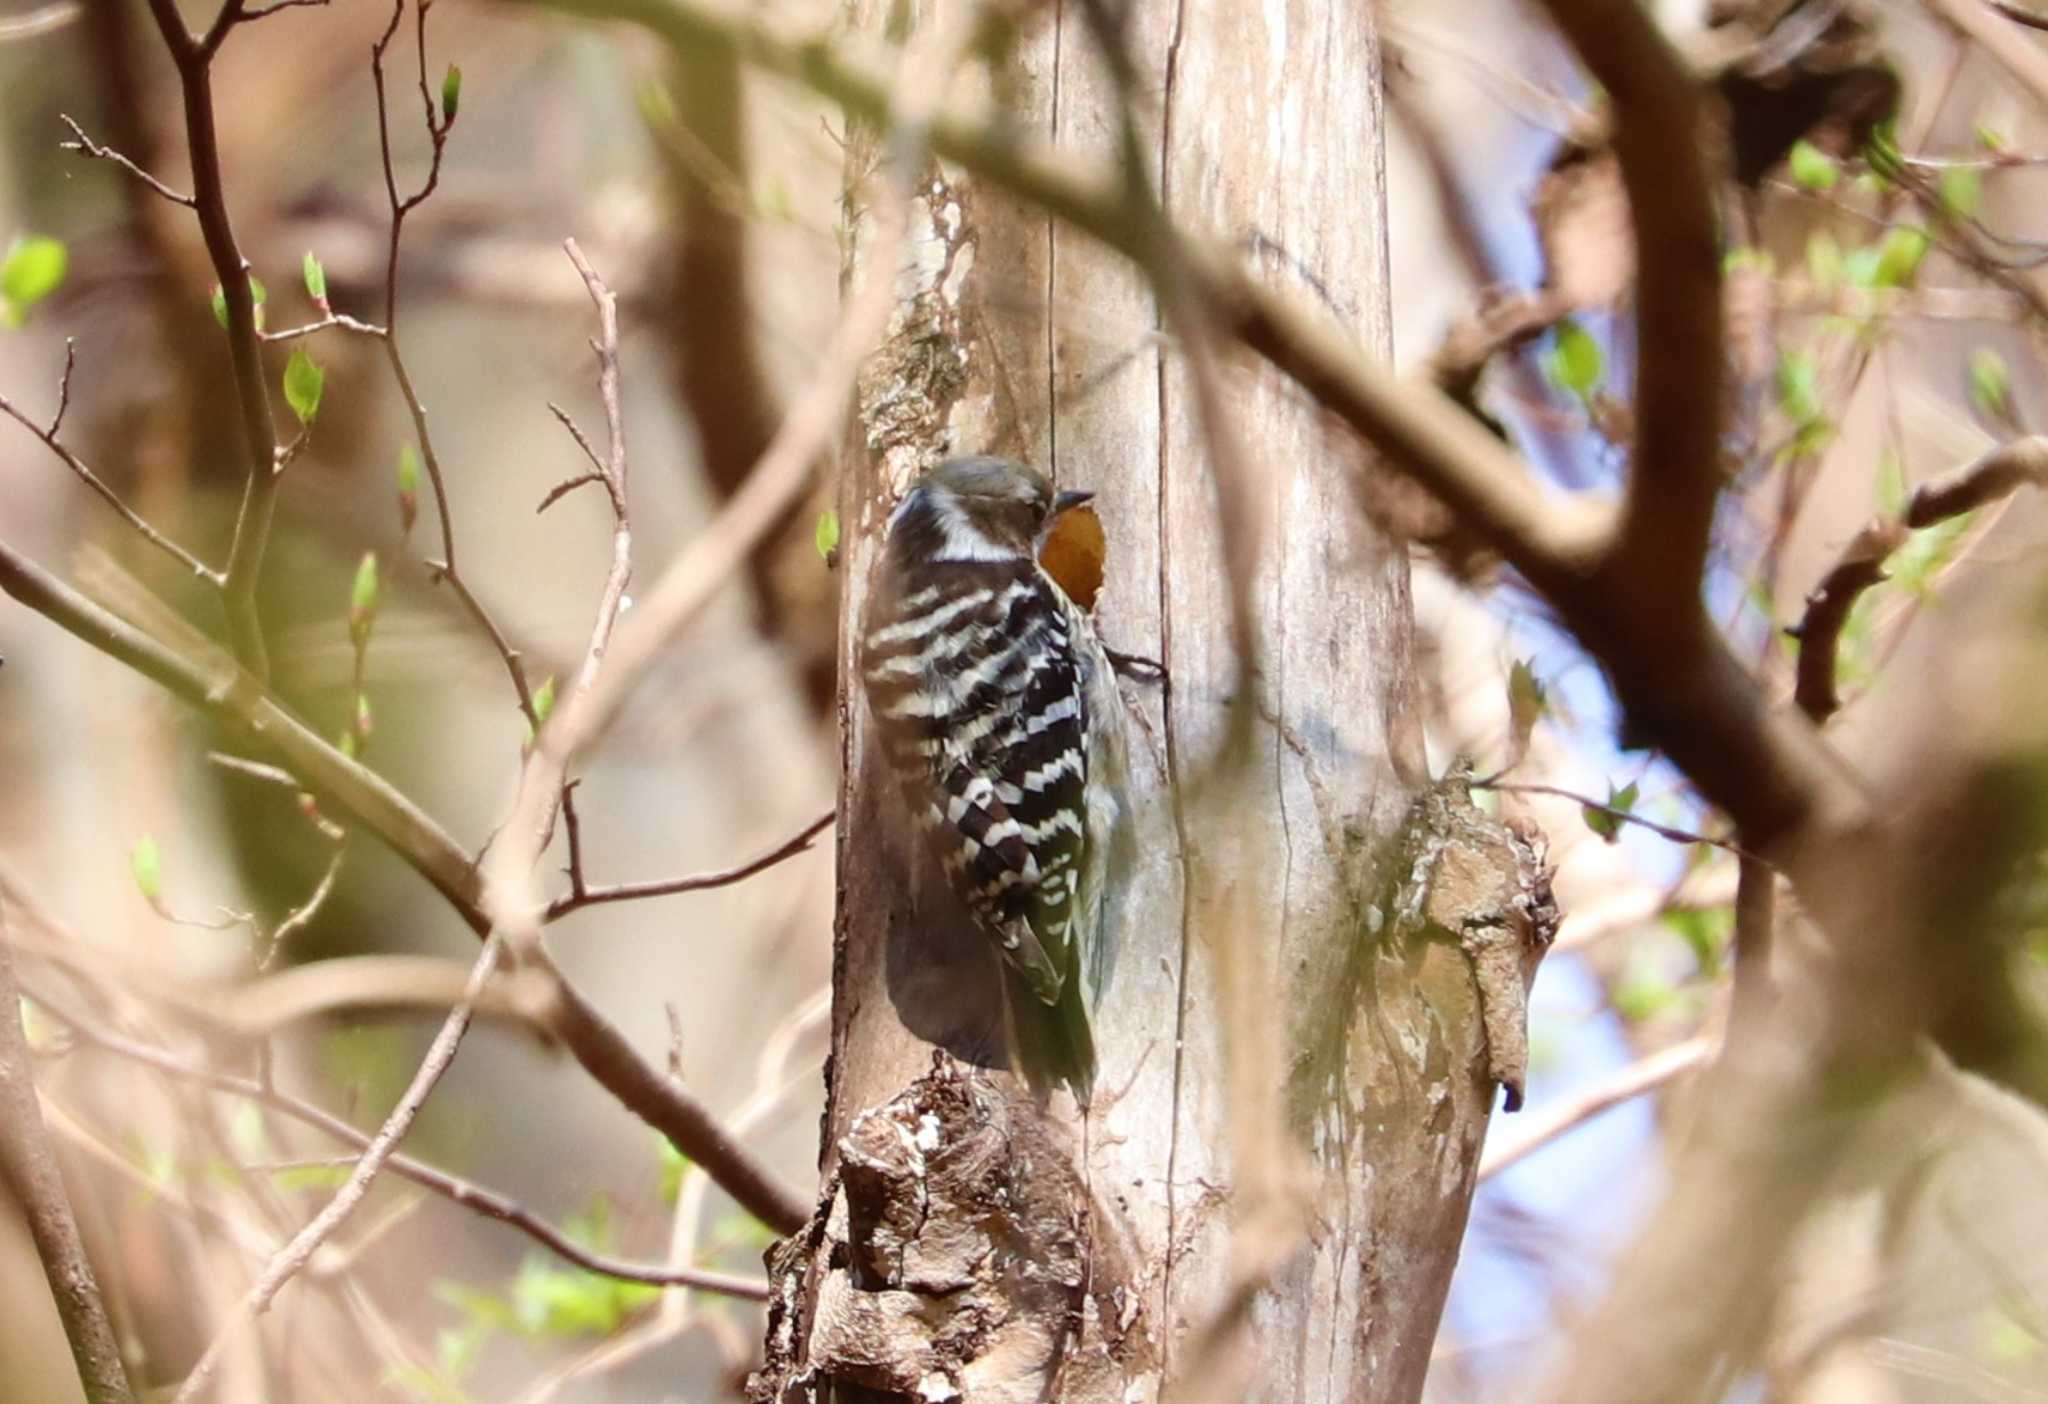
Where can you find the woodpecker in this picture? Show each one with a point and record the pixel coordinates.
(999, 713)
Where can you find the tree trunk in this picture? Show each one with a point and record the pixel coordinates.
(1295, 1069)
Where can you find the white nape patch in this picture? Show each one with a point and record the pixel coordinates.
(961, 540)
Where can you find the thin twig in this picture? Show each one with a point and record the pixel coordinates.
(80, 469)
(466, 1193)
(576, 433)
(1860, 566)
(446, 568)
(193, 57)
(1645, 1075)
(696, 882)
(257, 12)
(2024, 15)
(209, 680)
(1516, 787)
(31, 1175)
(92, 150)
(333, 321)
(301, 916)
(290, 1259)
(563, 489)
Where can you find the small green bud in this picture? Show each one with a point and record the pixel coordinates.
(316, 280)
(408, 486)
(146, 862)
(362, 599)
(451, 94)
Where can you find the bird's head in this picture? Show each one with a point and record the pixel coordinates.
(978, 508)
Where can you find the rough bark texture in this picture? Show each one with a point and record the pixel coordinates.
(1296, 863)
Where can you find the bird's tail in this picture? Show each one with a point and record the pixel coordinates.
(1051, 1044)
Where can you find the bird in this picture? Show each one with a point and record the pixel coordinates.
(999, 714)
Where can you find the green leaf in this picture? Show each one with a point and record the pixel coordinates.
(1606, 822)
(424, 1385)
(2012, 1334)
(297, 1179)
(826, 534)
(1745, 258)
(1990, 384)
(258, 295)
(1824, 261)
(247, 1132)
(1962, 189)
(1575, 362)
(1927, 552)
(316, 279)
(1899, 257)
(477, 1304)
(1813, 168)
(1643, 995)
(1799, 387)
(674, 1166)
(451, 94)
(303, 382)
(1990, 138)
(1891, 484)
(146, 862)
(544, 698)
(1707, 931)
(33, 269)
(1525, 707)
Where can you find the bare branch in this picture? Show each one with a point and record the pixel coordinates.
(577, 434)
(92, 150)
(564, 488)
(466, 1193)
(46, 20)
(85, 474)
(257, 12)
(295, 1254)
(446, 568)
(1625, 816)
(211, 682)
(696, 882)
(333, 321)
(1645, 1075)
(2024, 15)
(31, 1175)
(1989, 24)
(1860, 566)
(194, 58)
(1662, 140)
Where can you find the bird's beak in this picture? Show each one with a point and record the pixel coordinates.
(1066, 501)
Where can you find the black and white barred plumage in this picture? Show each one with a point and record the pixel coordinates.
(993, 696)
